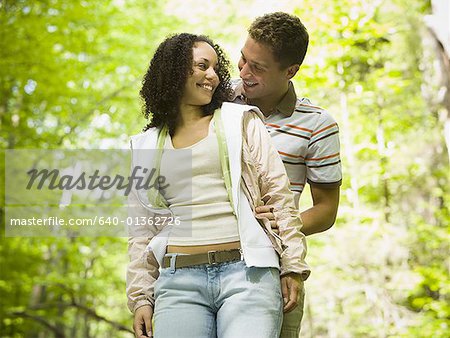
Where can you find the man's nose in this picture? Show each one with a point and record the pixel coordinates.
(244, 70)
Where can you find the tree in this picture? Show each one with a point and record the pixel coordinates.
(70, 72)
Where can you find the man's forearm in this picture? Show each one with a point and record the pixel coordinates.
(322, 214)
(317, 219)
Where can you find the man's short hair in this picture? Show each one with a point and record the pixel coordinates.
(284, 34)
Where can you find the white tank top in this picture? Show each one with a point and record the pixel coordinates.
(196, 194)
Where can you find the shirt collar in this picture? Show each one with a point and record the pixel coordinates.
(286, 106)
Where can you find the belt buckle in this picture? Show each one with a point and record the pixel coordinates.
(212, 257)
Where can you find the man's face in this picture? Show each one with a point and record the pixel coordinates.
(262, 76)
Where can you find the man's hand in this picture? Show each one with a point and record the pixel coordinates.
(142, 324)
(266, 211)
(290, 287)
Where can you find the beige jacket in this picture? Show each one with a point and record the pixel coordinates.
(259, 177)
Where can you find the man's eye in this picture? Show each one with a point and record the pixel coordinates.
(258, 68)
(202, 66)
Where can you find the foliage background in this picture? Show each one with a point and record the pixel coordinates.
(70, 74)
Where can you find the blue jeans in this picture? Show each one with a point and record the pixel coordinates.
(226, 300)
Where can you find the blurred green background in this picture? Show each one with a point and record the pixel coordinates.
(70, 75)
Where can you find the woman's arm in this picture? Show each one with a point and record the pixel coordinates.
(142, 270)
(273, 183)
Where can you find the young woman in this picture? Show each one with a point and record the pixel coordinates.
(212, 270)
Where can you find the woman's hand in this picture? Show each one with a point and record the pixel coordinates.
(290, 287)
(142, 324)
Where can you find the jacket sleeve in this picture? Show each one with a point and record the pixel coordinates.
(273, 183)
(142, 270)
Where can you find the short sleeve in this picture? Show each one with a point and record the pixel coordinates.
(323, 161)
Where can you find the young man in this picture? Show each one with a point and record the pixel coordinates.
(306, 136)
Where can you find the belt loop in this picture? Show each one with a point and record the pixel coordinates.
(173, 259)
(212, 257)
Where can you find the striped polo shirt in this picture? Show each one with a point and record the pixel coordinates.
(307, 139)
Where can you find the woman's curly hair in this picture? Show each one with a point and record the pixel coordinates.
(163, 84)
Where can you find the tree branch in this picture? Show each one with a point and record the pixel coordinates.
(95, 315)
(40, 320)
(90, 312)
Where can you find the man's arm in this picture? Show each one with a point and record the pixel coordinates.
(322, 166)
(322, 214)
(318, 218)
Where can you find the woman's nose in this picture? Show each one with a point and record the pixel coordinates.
(211, 73)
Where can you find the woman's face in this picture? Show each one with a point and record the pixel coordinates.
(201, 84)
